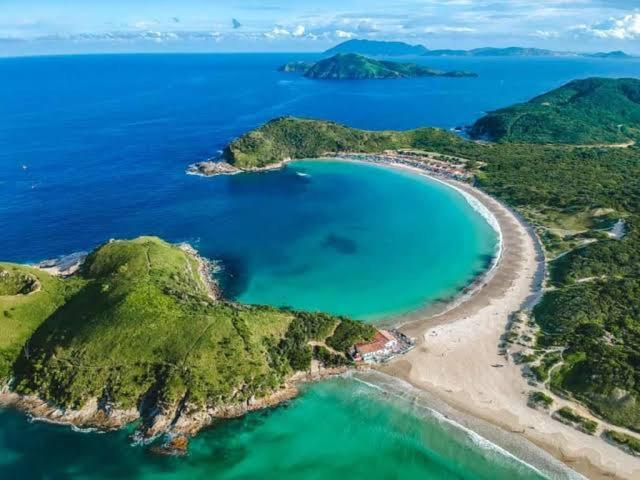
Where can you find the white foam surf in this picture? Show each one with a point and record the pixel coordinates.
(401, 390)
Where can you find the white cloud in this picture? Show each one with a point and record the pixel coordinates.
(145, 24)
(129, 36)
(344, 34)
(622, 28)
(458, 29)
(437, 23)
(546, 34)
(367, 26)
(282, 32)
(448, 29)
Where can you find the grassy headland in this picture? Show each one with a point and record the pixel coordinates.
(137, 328)
(290, 137)
(27, 298)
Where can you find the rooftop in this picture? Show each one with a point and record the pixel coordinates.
(379, 342)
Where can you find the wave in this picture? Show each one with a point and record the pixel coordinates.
(404, 391)
(35, 419)
(481, 209)
(488, 217)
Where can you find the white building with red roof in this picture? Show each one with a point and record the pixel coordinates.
(383, 344)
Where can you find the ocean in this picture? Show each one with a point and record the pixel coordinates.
(96, 147)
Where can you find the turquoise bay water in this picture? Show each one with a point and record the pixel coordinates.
(338, 429)
(362, 240)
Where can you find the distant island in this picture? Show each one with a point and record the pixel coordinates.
(591, 111)
(352, 66)
(520, 52)
(140, 332)
(391, 49)
(612, 54)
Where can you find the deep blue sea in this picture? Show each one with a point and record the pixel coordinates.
(87, 143)
(95, 147)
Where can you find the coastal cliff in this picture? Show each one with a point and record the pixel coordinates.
(140, 332)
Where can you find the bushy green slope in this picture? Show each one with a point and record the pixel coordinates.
(591, 111)
(351, 66)
(27, 297)
(142, 325)
(290, 137)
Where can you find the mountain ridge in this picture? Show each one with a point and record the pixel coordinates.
(384, 48)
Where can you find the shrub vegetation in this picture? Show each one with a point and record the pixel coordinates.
(137, 322)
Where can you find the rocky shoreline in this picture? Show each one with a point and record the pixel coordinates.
(212, 168)
(209, 168)
(165, 427)
(63, 266)
(174, 424)
(206, 268)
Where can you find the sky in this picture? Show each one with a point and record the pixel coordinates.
(84, 26)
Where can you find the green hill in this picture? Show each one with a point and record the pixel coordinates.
(290, 137)
(591, 111)
(27, 298)
(351, 66)
(138, 326)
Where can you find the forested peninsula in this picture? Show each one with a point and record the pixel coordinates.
(140, 332)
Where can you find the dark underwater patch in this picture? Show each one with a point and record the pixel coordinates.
(233, 276)
(343, 245)
(487, 260)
